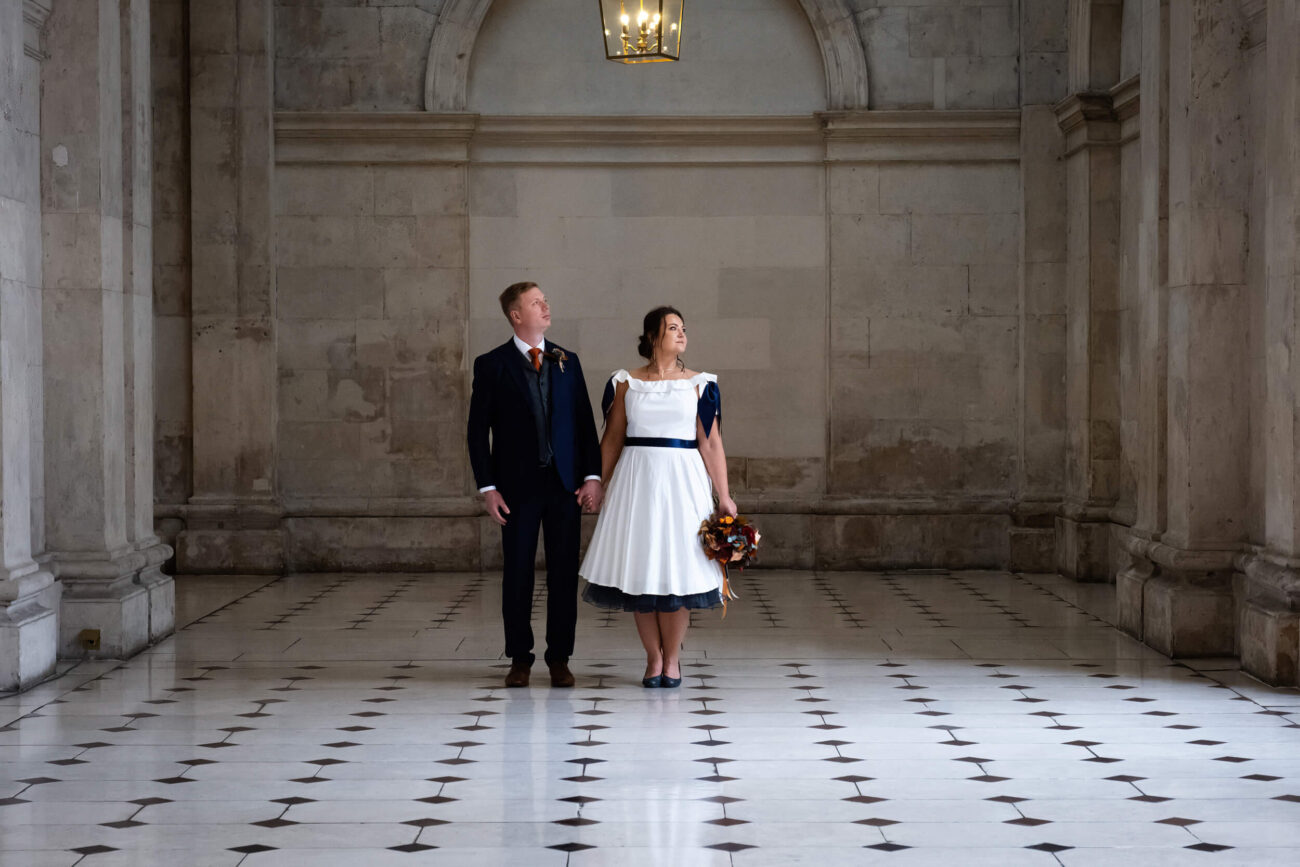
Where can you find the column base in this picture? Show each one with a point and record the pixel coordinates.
(124, 596)
(1268, 618)
(1176, 601)
(1083, 549)
(29, 626)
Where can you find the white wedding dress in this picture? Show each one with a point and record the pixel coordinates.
(645, 554)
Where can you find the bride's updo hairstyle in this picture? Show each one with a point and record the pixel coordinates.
(652, 327)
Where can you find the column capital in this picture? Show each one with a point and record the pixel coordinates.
(35, 14)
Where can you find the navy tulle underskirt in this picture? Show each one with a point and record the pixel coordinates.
(613, 599)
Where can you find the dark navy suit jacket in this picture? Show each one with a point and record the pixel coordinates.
(500, 406)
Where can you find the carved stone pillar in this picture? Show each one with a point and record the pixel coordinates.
(1186, 602)
(1269, 606)
(1092, 166)
(29, 595)
(97, 323)
(233, 521)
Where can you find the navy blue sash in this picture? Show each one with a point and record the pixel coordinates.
(660, 442)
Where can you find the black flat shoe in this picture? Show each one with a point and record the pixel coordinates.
(652, 682)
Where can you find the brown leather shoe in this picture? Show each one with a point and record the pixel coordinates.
(560, 674)
(518, 675)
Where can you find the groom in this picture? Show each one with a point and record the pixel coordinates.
(536, 461)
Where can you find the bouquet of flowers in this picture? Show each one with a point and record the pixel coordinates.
(729, 542)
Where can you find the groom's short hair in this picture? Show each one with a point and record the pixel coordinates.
(512, 293)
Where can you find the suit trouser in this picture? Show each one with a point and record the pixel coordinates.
(556, 513)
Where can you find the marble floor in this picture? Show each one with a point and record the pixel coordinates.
(831, 718)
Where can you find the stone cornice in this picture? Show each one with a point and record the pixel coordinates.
(362, 137)
(1088, 120)
(622, 140)
(921, 135)
(1126, 98)
(857, 136)
(35, 14)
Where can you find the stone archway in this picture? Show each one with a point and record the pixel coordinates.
(453, 41)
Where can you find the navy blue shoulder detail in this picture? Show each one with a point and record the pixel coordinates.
(607, 399)
(710, 406)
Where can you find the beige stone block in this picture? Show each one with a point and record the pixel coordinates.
(800, 344)
(324, 191)
(425, 440)
(1044, 25)
(994, 290)
(898, 80)
(943, 31)
(773, 397)
(991, 239)
(730, 344)
(493, 192)
(323, 242)
(978, 188)
(999, 31)
(982, 82)
(899, 290)
(717, 191)
(793, 438)
(850, 343)
(330, 293)
(785, 475)
(327, 31)
(781, 293)
(854, 189)
(313, 84)
(580, 191)
(324, 478)
(425, 396)
(171, 370)
(425, 293)
(610, 344)
(1045, 78)
(420, 190)
(422, 478)
(317, 344)
(318, 441)
(522, 243)
(410, 343)
(410, 242)
(867, 241)
(383, 544)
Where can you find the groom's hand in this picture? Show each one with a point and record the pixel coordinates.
(590, 495)
(495, 505)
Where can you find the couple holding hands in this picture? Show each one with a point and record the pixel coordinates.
(538, 464)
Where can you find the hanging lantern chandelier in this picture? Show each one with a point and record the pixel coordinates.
(642, 31)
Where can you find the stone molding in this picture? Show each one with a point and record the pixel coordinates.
(35, 14)
(1180, 559)
(627, 140)
(354, 137)
(1088, 119)
(452, 48)
(1274, 575)
(423, 137)
(875, 136)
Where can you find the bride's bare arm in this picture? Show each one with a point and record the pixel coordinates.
(611, 442)
(715, 461)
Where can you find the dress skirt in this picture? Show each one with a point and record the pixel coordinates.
(645, 554)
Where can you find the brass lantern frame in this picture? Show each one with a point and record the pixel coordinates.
(642, 31)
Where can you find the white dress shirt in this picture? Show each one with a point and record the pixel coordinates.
(524, 348)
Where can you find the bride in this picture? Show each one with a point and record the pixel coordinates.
(662, 446)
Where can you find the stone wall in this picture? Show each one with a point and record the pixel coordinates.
(953, 54)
